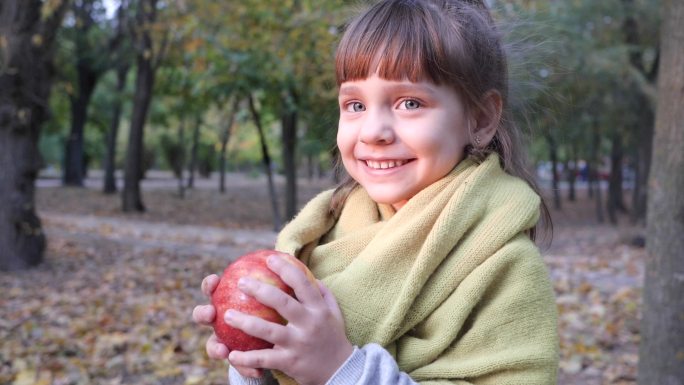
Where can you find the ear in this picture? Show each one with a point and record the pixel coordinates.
(487, 119)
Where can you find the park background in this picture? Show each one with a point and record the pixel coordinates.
(174, 136)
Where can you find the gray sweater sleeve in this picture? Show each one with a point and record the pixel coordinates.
(370, 365)
(235, 378)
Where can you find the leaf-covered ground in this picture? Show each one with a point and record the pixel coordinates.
(111, 303)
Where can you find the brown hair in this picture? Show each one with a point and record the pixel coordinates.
(450, 42)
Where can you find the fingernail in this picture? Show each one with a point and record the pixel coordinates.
(229, 316)
(243, 283)
(273, 260)
(218, 350)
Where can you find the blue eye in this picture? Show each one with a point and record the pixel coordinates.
(356, 107)
(410, 104)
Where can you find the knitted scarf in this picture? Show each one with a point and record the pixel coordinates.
(449, 284)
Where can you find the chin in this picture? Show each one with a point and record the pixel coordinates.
(384, 197)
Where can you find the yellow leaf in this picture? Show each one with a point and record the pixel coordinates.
(37, 40)
(25, 377)
(31, 377)
(194, 379)
(49, 7)
(168, 371)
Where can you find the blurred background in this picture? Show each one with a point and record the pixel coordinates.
(168, 137)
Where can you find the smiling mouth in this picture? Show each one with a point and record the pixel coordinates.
(385, 164)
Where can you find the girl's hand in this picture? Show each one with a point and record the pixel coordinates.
(205, 315)
(312, 346)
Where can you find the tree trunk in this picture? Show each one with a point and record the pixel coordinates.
(555, 185)
(598, 195)
(310, 167)
(74, 163)
(121, 66)
(27, 40)
(131, 197)
(193, 152)
(181, 160)
(590, 179)
(110, 156)
(594, 174)
(87, 76)
(572, 173)
(615, 200)
(289, 138)
(643, 165)
(661, 353)
(630, 29)
(225, 137)
(267, 165)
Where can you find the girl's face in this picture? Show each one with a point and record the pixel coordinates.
(398, 137)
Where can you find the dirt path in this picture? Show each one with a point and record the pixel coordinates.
(143, 235)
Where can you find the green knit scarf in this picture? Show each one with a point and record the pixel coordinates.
(450, 284)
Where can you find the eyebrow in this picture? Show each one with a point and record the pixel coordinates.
(349, 90)
(398, 88)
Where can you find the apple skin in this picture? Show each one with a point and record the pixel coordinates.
(228, 296)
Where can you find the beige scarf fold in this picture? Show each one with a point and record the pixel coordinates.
(420, 281)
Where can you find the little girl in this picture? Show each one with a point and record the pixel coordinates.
(425, 255)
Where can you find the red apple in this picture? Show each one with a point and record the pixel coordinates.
(228, 296)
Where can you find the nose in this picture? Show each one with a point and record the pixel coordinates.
(377, 128)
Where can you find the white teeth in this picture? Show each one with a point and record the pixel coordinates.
(385, 164)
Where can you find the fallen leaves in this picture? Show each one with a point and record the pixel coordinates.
(597, 280)
(104, 314)
(112, 302)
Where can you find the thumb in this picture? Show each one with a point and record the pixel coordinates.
(330, 300)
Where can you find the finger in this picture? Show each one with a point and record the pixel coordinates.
(305, 291)
(272, 297)
(274, 333)
(209, 284)
(215, 349)
(330, 300)
(249, 372)
(266, 359)
(204, 314)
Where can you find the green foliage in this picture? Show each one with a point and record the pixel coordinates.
(51, 147)
(571, 69)
(580, 75)
(281, 52)
(244, 149)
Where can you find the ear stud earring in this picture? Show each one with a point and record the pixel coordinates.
(477, 140)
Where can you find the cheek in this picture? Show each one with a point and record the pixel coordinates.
(444, 147)
(345, 139)
(425, 142)
(345, 146)
(452, 151)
